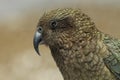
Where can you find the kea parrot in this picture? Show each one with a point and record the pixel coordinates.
(81, 51)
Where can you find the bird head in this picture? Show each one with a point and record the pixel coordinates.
(62, 27)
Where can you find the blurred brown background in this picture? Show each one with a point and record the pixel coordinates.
(18, 19)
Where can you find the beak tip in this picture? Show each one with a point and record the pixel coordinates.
(38, 53)
(36, 41)
(37, 50)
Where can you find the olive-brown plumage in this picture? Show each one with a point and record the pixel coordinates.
(80, 50)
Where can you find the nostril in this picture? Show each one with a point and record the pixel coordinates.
(40, 29)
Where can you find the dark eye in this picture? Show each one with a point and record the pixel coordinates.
(53, 24)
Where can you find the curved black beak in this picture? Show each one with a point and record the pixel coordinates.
(37, 40)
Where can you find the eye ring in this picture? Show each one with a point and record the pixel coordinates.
(53, 24)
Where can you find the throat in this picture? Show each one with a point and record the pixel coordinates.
(78, 62)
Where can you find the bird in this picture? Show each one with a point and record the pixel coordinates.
(81, 51)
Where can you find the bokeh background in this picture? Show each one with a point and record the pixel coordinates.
(18, 20)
